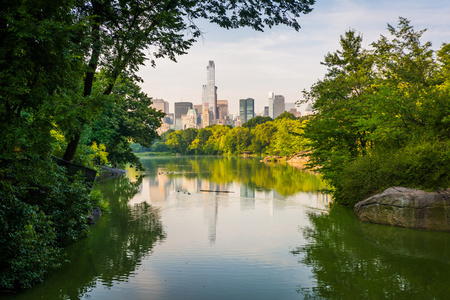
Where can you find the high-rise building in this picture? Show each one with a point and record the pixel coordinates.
(189, 120)
(181, 108)
(209, 91)
(206, 117)
(271, 100)
(222, 109)
(199, 110)
(160, 104)
(278, 106)
(266, 111)
(246, 109)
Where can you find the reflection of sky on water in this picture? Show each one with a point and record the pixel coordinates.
(225, 239)
(219, 245)
(164, 191)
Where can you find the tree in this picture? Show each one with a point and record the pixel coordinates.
(253, 122)
(288, 138)
(340, 100)
(127, 117)
(382, 116)
(236, 141)
(286, 115)
(119, 32)
(263, 136)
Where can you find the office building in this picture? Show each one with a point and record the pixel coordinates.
(246, 109)
(271, 100)
(189, 120)
(222, 109)
(181, 108)
(160, 105)
(278, 106)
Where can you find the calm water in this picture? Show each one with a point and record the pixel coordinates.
(268, 234)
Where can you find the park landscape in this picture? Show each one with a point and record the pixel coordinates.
(70, 90)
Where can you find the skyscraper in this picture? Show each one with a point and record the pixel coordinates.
(222, 109)
(209, 91)
(246, 109)
(181, 108)
(278, 106)
(160, 104)
(271, 99)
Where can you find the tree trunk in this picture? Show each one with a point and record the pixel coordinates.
(72, 148)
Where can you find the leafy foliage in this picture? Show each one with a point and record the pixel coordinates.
(374, 108)
(41, 211)
(280, 137)
(253, 122)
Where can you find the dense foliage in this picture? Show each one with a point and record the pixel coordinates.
(382, 115)
(271, 137)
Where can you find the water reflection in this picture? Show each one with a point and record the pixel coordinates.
(187, 178)
(166, 238)
(191, 174)
(353, 260)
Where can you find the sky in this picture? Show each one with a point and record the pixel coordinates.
(250, 64)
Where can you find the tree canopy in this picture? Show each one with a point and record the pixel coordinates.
(382, 115)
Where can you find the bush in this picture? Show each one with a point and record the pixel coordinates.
(41, 211)
(424, 165)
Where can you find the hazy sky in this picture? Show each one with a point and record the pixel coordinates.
(251, 64)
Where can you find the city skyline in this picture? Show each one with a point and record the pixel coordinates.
(251, 64)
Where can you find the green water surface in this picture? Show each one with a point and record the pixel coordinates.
(233, 228)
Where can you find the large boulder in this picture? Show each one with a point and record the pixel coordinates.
(404, 207)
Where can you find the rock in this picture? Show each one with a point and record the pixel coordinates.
(95, 214)
(404, 207)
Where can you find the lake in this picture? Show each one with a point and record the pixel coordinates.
(234, 228)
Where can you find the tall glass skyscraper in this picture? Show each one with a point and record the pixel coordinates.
(246, 109)
(209, 91)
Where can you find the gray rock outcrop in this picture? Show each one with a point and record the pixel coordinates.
(404, 207)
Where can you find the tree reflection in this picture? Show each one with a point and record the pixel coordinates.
(113, 251)
(353, 260)
(283, 178)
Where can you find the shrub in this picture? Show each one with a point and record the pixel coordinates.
(42, 210)
(424, 165)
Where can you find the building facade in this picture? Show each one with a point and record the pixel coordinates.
(222, 112)
(278, 106)
(160, 105)
(181, 108)
(246, 109)
(209, 91)
(189, 120)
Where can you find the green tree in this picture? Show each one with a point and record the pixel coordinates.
(382, 116)
(263, 136)
(340, 100)
(286, 115)
(253, 122)
(215, 141)
(288, 138)
(236, 141)
(127, 117)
